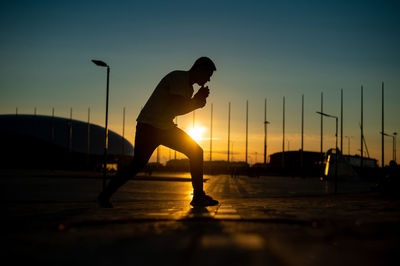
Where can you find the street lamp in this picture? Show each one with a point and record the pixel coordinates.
(336, 163)
(102, 64)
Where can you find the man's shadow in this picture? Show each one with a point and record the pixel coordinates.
(201, 221)
(199, 212)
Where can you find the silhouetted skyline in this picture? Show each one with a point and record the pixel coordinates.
(270, 49)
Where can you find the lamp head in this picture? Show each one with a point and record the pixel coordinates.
(99, 63)
(332, 116)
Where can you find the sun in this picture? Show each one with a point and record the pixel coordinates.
(196, 133)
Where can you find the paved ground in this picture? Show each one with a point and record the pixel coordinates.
(53, 220)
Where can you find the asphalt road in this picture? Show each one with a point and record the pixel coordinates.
(53, 220)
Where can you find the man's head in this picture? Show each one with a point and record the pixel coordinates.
(202, 70)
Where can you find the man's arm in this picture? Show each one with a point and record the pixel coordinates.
(183, 105)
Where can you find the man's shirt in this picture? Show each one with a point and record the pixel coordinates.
(159, 111)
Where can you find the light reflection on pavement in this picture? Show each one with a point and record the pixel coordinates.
(260, 221)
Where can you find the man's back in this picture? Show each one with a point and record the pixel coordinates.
(158, 111)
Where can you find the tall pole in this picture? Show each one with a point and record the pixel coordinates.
(232, 152)
(247, 127)
(211, 129)
(393, 139)
(348, 143)
(70, 131)
(341, 120)
(158, 148)
(383, 126)
(302, 122)
(34, 111)
(229, 127)
(283, 134)
(265, 131)
(52, 135)
(302, 134)
(106, 131)
(70, 138)
(362, 131)
(336, 157)
(322, 127)
(123, 131)
(176, 122)
(52, 126)
(88, 133)
(395, 147)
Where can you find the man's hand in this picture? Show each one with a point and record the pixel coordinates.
(203, 92)
(183, 105)
(201, 95)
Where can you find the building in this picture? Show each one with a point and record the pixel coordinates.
(37, 141)
(296, 162)
(350, 166)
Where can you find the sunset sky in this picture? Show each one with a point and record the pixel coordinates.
(262, 49)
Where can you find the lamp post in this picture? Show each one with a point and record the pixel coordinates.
(176, 122)
(283, 135)
(211, 130)
(395, 145)
(336, 150)
(302, 136)
(265, 140)
(102, 64)
(247, 128)
(229, 128)
(265, 131)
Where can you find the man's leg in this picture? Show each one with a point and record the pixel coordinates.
(180, 141)
(146, 140)
(177, 139)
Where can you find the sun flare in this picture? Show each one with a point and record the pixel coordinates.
(196, 133)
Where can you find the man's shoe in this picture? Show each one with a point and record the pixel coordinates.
(103, 202)
(203, 200)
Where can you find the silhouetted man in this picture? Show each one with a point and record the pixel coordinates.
(172, 97)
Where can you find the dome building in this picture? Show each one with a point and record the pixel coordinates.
(37, 141)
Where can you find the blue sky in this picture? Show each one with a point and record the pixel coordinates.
(262, 49)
